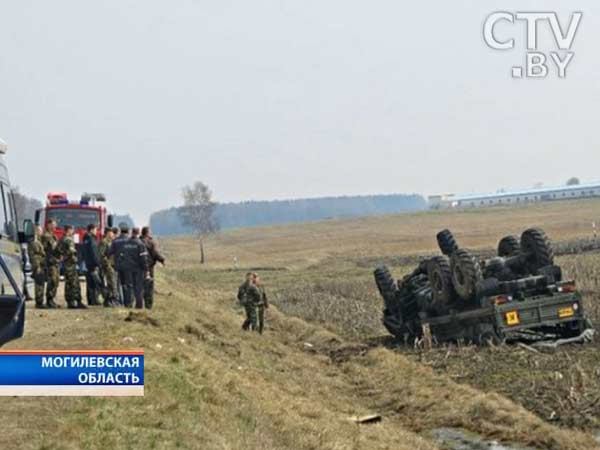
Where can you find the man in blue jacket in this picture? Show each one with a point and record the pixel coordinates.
(91, 257)
(131, 263)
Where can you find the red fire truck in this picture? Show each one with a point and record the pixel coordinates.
(89, 209)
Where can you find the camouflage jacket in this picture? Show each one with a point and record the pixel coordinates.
(50, 245)
(106, 259)
(68, 251)
(37, 255)
(253, 295)
(242, 295)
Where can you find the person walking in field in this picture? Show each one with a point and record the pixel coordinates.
(244, 298)
(37, 258)
(252, 296)
(261, 303)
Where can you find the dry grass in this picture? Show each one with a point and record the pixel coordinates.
(210, 386)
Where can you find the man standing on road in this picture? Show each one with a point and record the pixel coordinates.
(108, 268)
(154, 256)
(37, 258)
(244, 299)
(262, 302)
(91, 257)
(69, 253)
(137, 264)
(50, 244)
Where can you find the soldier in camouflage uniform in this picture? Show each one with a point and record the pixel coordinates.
(37, 258)
(244, 300)
(261, 303)
(69, 253)
(50, 244)
(107, 265)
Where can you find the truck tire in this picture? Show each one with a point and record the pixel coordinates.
(386, 285)
(509, 246)
(487, 335)
(446, 242)
(440, 281)
(466, 274)
(537, 250)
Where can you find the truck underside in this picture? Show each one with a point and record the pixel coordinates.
(518, 295)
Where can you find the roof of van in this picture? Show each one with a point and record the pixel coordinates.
(3, 147)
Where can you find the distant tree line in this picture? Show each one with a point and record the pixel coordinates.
(25, 206)
(256, 213)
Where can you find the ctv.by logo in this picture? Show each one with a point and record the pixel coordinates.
(537, 63)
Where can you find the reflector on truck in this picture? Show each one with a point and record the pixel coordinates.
(512, 318)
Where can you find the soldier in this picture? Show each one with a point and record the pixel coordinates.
(252, 299)
(107, 264)
(37, 258)
(91, 256)
(69, 253)
(262, 302)
(50, 244)
(119, 298)
(154, 256)
(137, 256)
(244, 300)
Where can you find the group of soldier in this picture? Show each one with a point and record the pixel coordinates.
(252, 296)
(120, 268)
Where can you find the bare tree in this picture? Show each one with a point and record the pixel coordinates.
(573, 181)
(198, 212)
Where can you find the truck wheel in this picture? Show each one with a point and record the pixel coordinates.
(446, 242)
(488, 335)
(405, 332)
(440, 280)
(386, 285)
(466, 274)
(509, 246)
(537, 249)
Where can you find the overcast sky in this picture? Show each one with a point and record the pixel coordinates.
(286, 99)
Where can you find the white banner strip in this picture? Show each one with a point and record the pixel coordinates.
(72, 391)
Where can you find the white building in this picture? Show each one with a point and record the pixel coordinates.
(515, 198)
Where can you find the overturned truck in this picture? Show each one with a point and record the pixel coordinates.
(520, 293)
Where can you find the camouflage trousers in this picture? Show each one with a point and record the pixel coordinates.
(39, 279)
(251, 320)
(72, 287)
(110, 281)
(260, 312)
(52, 281)
(255, 318)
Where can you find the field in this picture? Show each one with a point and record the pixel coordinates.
(324, 357)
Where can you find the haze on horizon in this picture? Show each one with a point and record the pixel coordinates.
(286, 99)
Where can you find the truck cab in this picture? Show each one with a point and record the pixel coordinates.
(89, 209)
(12, 299)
